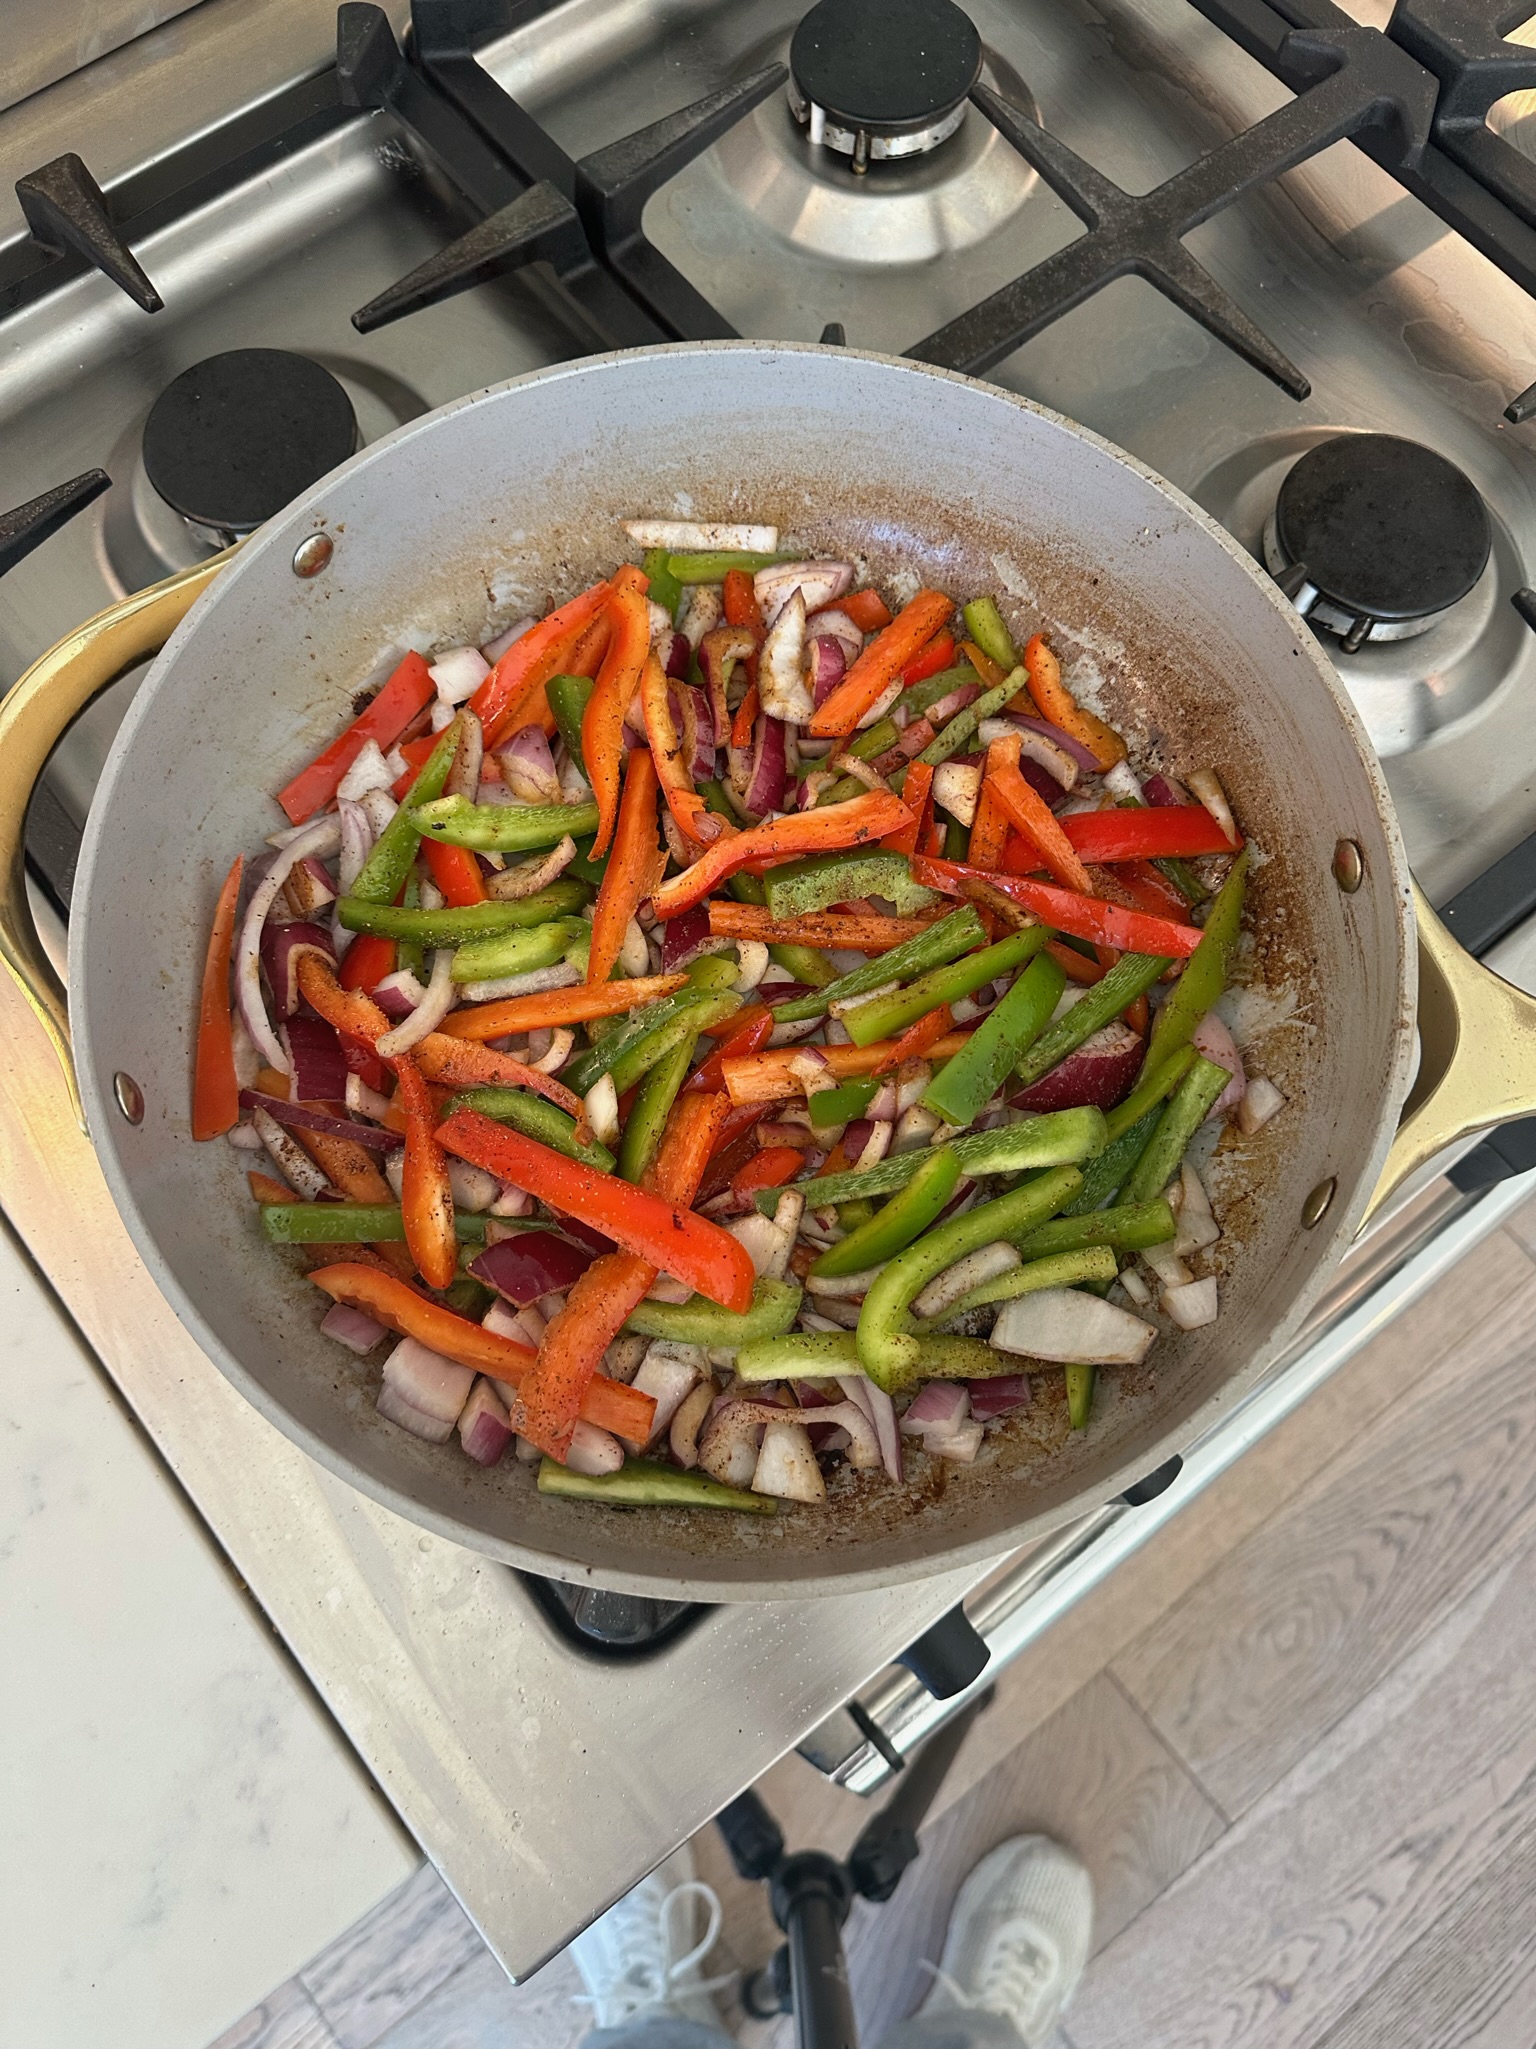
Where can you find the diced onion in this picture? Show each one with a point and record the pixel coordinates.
(1260, 1102)
(1193, 1305)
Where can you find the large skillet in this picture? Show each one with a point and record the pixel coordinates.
(500, 502)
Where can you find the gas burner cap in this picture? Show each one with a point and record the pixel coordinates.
(875, 79)
(1375, 538)
(229, 442)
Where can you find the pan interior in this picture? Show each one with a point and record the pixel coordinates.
(509, 501)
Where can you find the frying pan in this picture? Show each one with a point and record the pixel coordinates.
(500, 502)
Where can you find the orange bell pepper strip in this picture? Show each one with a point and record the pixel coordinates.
(1076, 966)
(462, 1064)
(1174, 831)
(988, 671)
(745, 719)
(831, 829)
(602, 723)
(586, 657)
(426, 1197)
(571, 1355)
(766, 1077)
(882, 662)
(266, 1188)
(215, 1088)
(391, 712)
(739, 599)
(455, 871)
(863, 932)
(531, 660)
(557, 1007)
(866, 608)
(349, 1010)
(692, 815)
(1084, 917)
(919, 1039)
(917, 795)
(367, 961)
(634, 868)
(989, 829)
(748, 1034)
(671, 1237)
(403, 1309)
(770, 1168)
(1055, 702)
(1028, 810)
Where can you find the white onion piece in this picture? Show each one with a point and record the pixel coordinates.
(379, 807)
(1192, 1306)
(1197, 1225)
(915, 1127)
(350, 1327)
(473, 1188)
(1136, 1288)
(842, 1287)
(874, 1148)
(537, 982)
(247, 1053)
(810, 1067)
(424, 1392)
(1064, 1324)
(840, 1006)
(369, 771)
(437, 1000)
(245, 1138)
(485, 1429)
(706, 536)
(363, 1101)
(441, 716)
(1205, 785)
(1167, 1265)
(879, 1409)
(356, 843)
(704, 611)
(513, 1202)
(984, 1264)
(812, 1320)
(834, 622)
(728, 1442)
(1050, 755)
(634, 955)
(669, 1374)
(394, 1169)
(602, 1106)
(754, 964)
(501, 1318)
(493, 650)
(912, 1077)
(458, 674)
(593, 1451)
(1260, 1102)
(321, 838)
(781, 683)
(661, 627)
(960, 1444)
(529, 877)
(1212, 1038)
(881, 705)
(1123, 783)
(769, 1241)
(683, 1437)
(667, 1288)
(786, 1465)
(819, 583)
(957, 789)
(561, 1046)
(884, 1104)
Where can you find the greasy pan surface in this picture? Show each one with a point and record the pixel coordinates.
(501, 503)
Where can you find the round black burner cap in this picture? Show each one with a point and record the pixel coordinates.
(230, 441)
(887, 66)
(1384, 528)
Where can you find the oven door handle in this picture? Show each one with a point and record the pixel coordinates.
(33, 719)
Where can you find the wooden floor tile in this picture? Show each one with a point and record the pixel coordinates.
(480, 2008)
(285, 2019)
(387, 1964)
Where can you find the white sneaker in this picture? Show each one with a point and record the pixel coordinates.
(1018, 1937)
(642, 1957)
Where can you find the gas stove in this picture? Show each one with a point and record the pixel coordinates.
(1283, 256)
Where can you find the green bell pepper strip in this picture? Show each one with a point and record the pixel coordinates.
(965, 1084)
(840, 791)
(851, 1214)
(889, 1352)
(408, 953)
(905, 1217)
(799, 1355)
(1157, 1083)
(1178, 872)
(1131, 1227)
(1206, 971)
(658, 1044)
(641, 1484)
(883, 1017)
(941, 943)
(457, 924)
(502, 828)
(1131, 975)
(648, 1113)
(775, 1305)
(663, 587)
(389, 861)
(517, 952)
(715, 799)
(984, 623)
(349, 1223)
(873, 742)
(952, 737)
(1183, 1117)
(1080, 1379)
(916, 699)
(1106, 1174)
(821, 879)
(530, 1114)
(568, 700)
(709, 976)
(583, 868)
(841, 1105)
(1056, 1270)
(806, 963)
(957, 841)
(712, 565)
(1058, 1137)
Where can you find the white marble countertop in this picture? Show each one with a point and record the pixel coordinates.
(183, 1823)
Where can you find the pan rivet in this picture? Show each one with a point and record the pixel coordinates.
(1348, 866)
(130, 1097)
(1319, 1202)
(311, 556)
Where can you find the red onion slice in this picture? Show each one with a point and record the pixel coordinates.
(440, 997)
(1163, 792)
(424, 1392)
(1098, 1073)
(528, 767)
(282, 948)
(998, 1397)
(765, 784)
(530, 1265)
(320, 839)
(819, 583)
(1079, 753)
(315, 1063)
(829, 665)
(350, 1327)
(305, 1117)
(938, 1405)
(397, 995)
(1212, 1038)
(485, 1430)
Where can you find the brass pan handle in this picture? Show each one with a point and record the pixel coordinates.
(1477, 1065)
(33, 718)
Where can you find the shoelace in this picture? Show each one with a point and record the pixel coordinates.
(1013, 1979)
(652, 1988)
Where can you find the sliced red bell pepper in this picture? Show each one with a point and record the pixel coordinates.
(215, 1087)
(1142, 887)
(1053, 701)
(917, 795)
(415, 754)
(426, 1196)
(462, 1064)
(634, 868)
(402, 697)
(672, 760)
(1077, 966)
(1085, 917)
(866, 608)
(831, 829)
(739, 598)
(881, 663)
(455, 871)
(745, 719)
(364, 1062)
(1175, 831)
(1028, 810)
(602, 723)
(769, 1168)
(532, 659)
(367, 961)
(750, 1032)
(671, 1237)
(928, 661)
(400, 1307)
(918, 1040)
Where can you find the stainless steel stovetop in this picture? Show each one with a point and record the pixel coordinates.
(542, 1784)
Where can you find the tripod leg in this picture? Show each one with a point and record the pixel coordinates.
(811, 1898)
